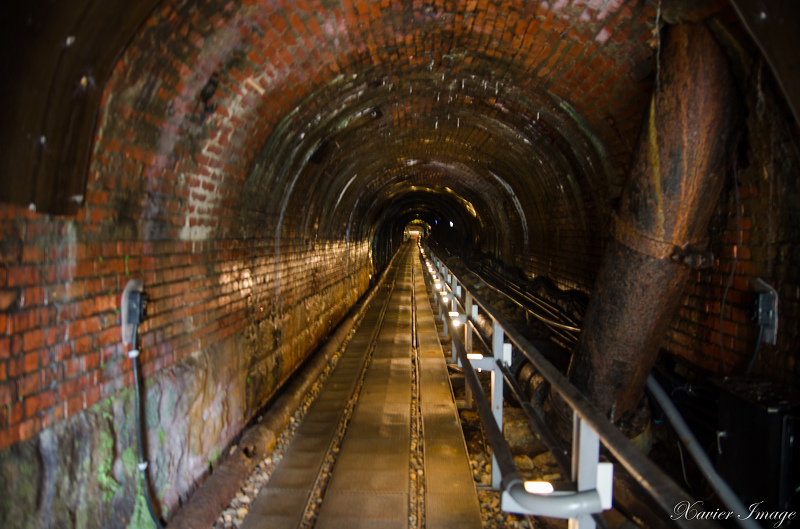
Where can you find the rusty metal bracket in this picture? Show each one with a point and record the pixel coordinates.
(693, 258)
(687, 254)
(639, 242)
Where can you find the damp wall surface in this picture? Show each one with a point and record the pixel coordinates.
(255, 164)
(228, 322)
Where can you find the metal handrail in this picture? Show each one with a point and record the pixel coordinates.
(666, 493)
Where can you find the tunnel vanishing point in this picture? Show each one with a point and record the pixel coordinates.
(256, 163)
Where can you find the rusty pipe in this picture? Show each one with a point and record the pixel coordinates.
(661, 222)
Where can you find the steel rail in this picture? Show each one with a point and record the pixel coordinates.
(549, 308)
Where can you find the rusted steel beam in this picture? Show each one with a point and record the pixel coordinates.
(660, 227)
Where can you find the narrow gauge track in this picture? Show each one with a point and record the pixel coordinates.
(381, 446)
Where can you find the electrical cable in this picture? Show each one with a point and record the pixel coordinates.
(683, 467)
(139, 430)
(541, 318)
(755, 353)
(733, 266)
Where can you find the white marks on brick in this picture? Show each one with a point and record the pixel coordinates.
(518, 206)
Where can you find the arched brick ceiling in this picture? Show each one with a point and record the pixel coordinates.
(312, 119)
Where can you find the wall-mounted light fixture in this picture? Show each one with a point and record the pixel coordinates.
(539, 487)
(454, 315)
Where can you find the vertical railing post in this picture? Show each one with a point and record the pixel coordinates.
(497, 394)
(585, 457)
(454, 307)
(442, 284)
(468, 327)
(443, 312)
(472, 318)
(438, 298)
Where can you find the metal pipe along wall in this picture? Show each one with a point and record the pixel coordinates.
(661, 223)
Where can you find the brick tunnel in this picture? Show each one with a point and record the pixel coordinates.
(257, 165)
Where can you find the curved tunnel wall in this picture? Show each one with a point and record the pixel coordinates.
(256, 162)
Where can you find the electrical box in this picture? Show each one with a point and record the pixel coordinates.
(757, 451)
(765, 310)
(133, 308)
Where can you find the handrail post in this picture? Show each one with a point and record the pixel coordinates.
(468, 328)
(500, 351)
(585, 458)
(443, 311)
(472, 318)
(455, 292)
(453, 352)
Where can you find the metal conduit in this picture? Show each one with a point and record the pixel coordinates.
(666, 493)
(554, 326)
(552, 311)
(550, 308)
(539, 317)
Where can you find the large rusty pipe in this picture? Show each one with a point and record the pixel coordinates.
(661, 223)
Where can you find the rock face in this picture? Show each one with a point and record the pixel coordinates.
(82, 472)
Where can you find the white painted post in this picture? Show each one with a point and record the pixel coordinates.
(585, 457)
(472, 314)
(468, 328)
(497, 394)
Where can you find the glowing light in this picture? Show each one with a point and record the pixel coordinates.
(454, 314)
(475, 356)
(451, 223)
(538, 487)
(438, 286)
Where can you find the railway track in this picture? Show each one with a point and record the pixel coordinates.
(380, 445)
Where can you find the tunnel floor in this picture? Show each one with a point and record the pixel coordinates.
(382, 446)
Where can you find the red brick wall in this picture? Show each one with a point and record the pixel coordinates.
(194, 195)
(754, 235)
(60, 347)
